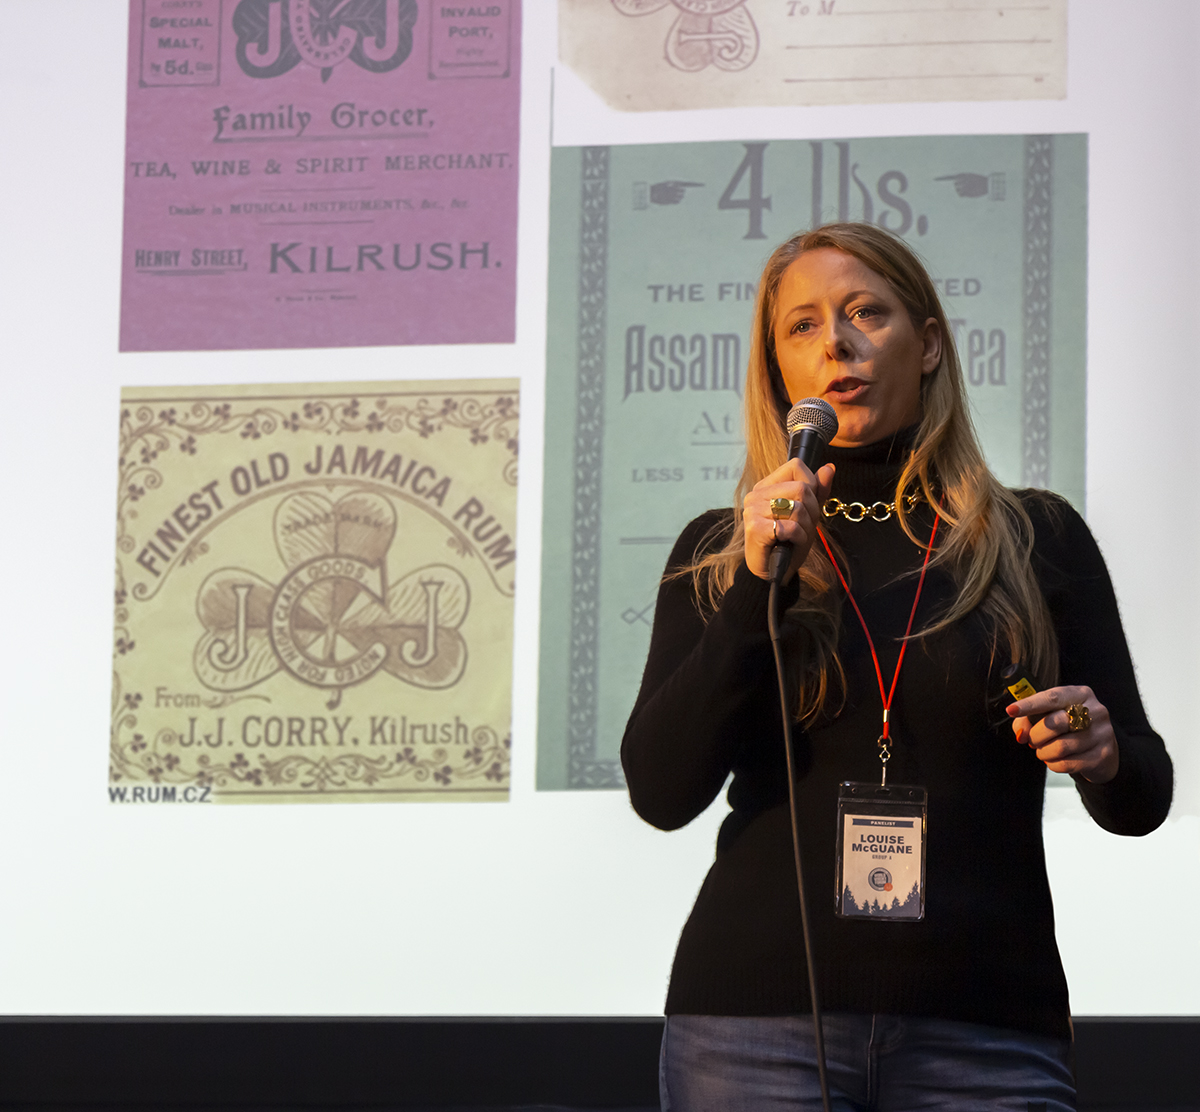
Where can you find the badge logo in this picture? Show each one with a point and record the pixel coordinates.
(880, 879)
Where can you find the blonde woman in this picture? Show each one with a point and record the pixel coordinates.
(955, 999)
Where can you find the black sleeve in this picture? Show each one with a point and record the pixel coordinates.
(709, 683)
(1093, 652)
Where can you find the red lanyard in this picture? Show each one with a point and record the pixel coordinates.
(884, 742)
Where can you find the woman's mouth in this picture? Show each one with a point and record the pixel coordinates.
(845, 389)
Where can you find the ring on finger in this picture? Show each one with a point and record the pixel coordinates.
(782, 507)
(1078, 718)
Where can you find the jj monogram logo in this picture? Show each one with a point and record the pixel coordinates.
(276, 35)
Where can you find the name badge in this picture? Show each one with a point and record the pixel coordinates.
(881, 852)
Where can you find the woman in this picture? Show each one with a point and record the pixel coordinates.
(966, 1007)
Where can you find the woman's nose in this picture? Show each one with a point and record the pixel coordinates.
(837, 343)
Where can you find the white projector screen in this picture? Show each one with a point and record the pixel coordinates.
(553, 903)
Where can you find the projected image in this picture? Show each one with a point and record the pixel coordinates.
(655, 252)
(644, 55)
(314, 593)
(310, 173)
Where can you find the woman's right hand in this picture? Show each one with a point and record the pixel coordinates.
(792, 480)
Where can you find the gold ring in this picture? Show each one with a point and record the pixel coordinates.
(782, 507)
(1078, 718)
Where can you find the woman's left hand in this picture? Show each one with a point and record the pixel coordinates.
(1042, 722)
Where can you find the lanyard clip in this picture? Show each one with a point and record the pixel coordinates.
(885, 754)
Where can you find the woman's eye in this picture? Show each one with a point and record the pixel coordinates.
(801, 326)
(863, 312)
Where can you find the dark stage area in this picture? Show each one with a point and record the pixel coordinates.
(457, 1065)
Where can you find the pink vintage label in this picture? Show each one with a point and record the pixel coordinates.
(297, 177)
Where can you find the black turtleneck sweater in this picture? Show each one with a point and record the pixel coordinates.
(708, 706)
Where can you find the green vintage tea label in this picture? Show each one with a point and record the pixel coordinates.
(314, 592)
(655, 253)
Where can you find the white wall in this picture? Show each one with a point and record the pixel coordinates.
(556, 903)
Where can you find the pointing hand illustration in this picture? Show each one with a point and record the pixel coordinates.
(968, 185)
(671, 192)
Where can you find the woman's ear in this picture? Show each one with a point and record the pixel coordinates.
(931, 339)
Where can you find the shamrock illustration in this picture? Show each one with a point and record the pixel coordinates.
(332, 621)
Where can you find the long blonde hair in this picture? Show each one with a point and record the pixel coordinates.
(986, 539)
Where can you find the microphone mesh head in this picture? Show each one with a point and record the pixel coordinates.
(816, 414)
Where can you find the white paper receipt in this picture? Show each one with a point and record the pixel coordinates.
(643, 55)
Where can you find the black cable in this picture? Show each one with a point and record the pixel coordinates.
(773, 628)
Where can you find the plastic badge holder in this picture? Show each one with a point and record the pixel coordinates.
(881, 852)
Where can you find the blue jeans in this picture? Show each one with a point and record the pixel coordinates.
(874, 1063)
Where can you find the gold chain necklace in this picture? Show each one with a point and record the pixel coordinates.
(859, 511)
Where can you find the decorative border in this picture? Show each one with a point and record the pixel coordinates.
(584, 769)
(1035, 385)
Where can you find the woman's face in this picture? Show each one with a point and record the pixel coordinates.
(842, 334)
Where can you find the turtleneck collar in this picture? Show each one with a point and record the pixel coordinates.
(869, 472)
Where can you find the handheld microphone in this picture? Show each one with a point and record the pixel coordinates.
(811, 424)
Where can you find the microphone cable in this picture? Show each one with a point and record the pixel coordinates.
(777, 649)
(811, 424)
